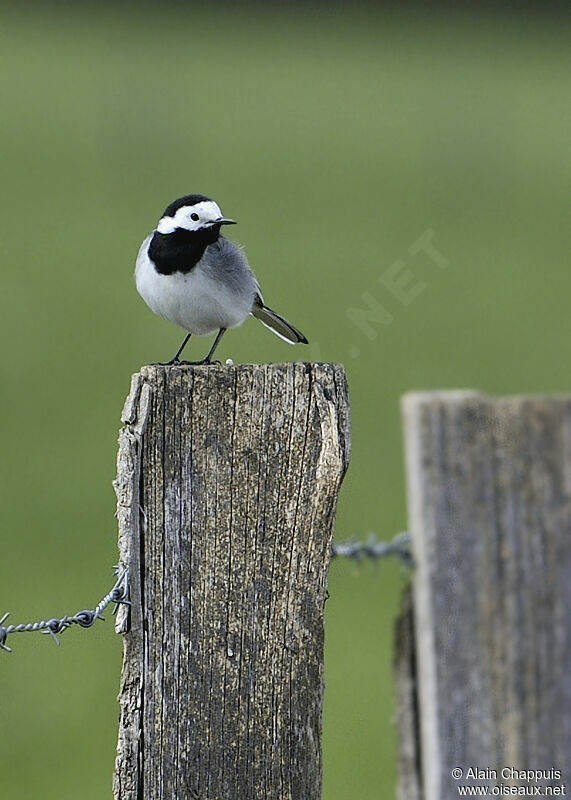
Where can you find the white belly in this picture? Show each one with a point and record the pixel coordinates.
(198, 302)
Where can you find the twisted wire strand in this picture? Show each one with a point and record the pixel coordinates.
(119, 594)
(398, 546)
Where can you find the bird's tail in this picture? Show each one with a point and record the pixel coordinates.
(278, 325)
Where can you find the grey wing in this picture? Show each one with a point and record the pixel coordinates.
(230, 265)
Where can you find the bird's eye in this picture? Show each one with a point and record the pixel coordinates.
(194, 216)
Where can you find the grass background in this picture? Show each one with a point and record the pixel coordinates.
(336, 138)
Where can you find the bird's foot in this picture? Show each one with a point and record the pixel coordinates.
(207, 362)
(176, 362)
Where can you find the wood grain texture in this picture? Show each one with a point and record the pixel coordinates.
(409, 771)
(227, 486)
(489, 489)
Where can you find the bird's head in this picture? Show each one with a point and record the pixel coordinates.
(194, 213)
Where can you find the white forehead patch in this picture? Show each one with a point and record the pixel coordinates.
(207, 211)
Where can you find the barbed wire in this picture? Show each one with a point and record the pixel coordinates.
(357, 550)
(119, 594)
(372, 547)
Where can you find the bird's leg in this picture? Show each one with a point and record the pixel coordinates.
(175, 358)
(208, 358)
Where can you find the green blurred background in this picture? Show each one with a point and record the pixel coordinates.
(337, 138)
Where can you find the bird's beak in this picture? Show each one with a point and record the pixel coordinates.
(225, 221)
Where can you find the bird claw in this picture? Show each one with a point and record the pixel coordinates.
(178, 363)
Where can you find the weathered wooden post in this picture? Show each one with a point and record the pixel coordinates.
(484, 663)
(227, 486)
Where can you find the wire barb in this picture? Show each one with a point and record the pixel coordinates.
(54, 627)
(399, 546)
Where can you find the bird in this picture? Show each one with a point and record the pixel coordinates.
(189, 273)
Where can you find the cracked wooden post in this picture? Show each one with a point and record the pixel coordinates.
(227, 485)
(484, 658)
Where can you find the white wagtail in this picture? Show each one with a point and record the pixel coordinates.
(190, 274)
